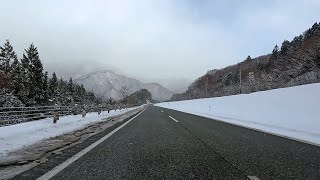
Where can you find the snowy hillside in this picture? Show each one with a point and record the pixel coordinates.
(107, 83)
(292, 112)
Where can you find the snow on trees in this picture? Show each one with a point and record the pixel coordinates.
(24, 82)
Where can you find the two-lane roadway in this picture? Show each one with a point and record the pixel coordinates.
(165, 144)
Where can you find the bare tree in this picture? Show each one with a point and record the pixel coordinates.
(124, 92)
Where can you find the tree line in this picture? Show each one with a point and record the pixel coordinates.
(23, 82)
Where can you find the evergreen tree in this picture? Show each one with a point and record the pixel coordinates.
(45, 89)
(77, 93)
(285, 47)
(33, 72)
(7, 57)
(83, 93)
(53, 87)
(70, 92)
(71, 86)
(25, 76)
(17, 79)
(62, 93)
(297, 41)
(275, 52)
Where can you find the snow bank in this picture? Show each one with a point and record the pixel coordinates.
(292, 112)
(24, 134)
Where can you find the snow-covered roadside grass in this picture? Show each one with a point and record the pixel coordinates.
(293, 112)
(20, 135)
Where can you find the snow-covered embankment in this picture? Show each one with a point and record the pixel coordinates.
(293, 112)
(21, 135)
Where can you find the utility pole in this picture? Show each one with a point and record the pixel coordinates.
(206, 87)
(240, 79)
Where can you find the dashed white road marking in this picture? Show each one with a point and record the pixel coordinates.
(161, 111)
(65, 164)
(173, 119)
(253, 177)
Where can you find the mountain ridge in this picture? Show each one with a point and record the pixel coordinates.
(107, 83)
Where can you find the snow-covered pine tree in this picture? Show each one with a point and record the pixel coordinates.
(70, 92)
(77, 93)
(17, 79)
(275, 52)
(33, 72)
(7, 56)
(83, 93)
(25, 76)
(71, 86)
(62, 92)
(53, 87)
(45, 89)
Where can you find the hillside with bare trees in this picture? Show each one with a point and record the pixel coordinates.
(295, 63)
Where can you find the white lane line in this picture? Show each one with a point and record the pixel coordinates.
(65, 164)
(173, 119)
(253, 178)
(161, 111)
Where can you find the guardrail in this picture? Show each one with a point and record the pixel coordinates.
(16, 115)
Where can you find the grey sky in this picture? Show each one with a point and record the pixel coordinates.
(154, 38)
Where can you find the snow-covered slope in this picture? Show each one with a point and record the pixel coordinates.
(108, 83)
(292, 112)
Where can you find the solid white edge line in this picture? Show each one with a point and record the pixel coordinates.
(69, 161)
(173, 119)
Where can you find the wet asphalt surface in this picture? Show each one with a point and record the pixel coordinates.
(153, 146)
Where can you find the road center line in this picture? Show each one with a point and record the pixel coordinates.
(65, 164)
(173, 119)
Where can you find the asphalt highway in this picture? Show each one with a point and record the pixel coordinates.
(166, 144)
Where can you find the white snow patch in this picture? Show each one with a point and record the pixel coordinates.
(292, 112)
(20, 135)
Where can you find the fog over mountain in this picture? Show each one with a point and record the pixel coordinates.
(77, 70)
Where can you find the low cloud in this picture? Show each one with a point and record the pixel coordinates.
(154, 38)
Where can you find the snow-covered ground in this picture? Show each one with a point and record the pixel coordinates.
(17, 136)
(292, 112)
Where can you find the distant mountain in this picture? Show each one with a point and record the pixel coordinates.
(158, 92)
(295, 63)
(107, 83)
(67, 69)
(176, 85)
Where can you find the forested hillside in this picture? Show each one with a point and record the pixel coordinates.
(295, 63)
(24, 83)
(138, 98)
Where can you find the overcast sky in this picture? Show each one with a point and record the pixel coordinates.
(154, 38)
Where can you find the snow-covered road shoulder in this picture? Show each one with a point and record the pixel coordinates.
(291, 112)
(18, 136)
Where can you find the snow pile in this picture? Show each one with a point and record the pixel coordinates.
(293, 112)
(24, 134)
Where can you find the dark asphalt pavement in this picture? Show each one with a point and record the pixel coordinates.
(154, 146)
